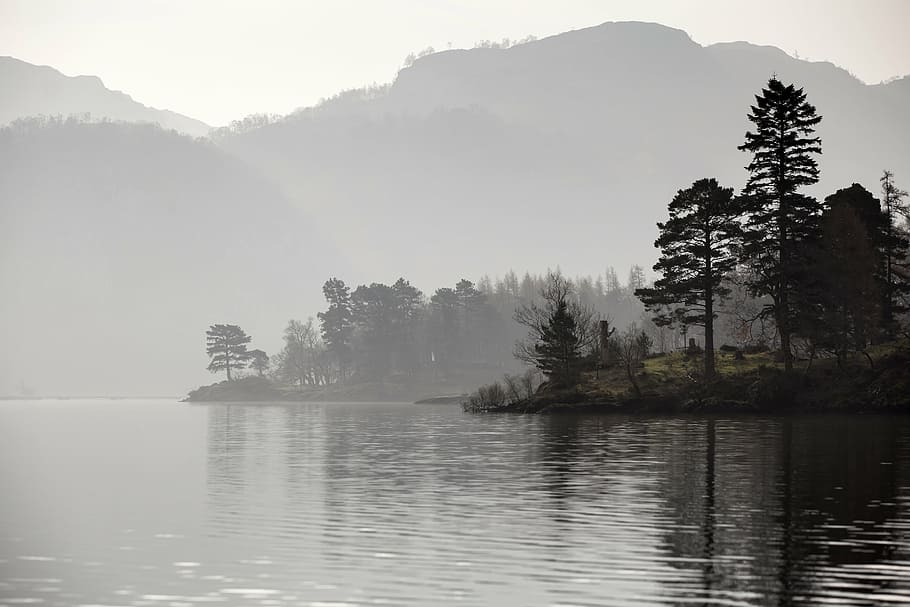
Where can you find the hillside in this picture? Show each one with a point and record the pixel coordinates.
(32, 90)
(121, 243)
(562, 151)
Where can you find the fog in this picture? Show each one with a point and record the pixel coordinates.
(125, 234)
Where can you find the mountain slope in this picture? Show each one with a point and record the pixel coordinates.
(120, 244)
(31, 90)
(564, 151)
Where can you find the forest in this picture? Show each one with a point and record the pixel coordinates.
(768, 271)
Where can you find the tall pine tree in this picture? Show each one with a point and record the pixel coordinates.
(779, 218)
(697, 251)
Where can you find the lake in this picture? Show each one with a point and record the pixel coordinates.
(152, 502)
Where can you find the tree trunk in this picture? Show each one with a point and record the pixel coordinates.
(709, 313)
(785, 335)
(710, 371)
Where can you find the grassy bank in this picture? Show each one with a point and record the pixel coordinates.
(754, 384)
(423, 388)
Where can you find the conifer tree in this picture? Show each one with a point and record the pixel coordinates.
(558, 350)
(226, 347)
(778, 216)
(561, 332)
(697, 251)
(338, 324)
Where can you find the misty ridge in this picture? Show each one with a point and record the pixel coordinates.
(123, 241)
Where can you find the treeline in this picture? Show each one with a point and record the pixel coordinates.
(770, 267)
(818, 278)
(379, 331)
(376, 331)
(833, 274)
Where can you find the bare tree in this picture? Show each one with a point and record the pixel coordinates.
(631, 348)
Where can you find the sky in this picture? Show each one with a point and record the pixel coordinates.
(219, 60)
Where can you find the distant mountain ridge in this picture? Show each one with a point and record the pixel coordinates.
(31, 90)
(561, 151)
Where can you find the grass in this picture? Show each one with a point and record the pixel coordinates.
(755, 383)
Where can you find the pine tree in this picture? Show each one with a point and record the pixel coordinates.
(226, 347)
(407, 314)
(697, 251)
(778, 217)
(558, 349)
(338, 324)
(561, 332)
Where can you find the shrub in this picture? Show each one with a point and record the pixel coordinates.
(487, 398)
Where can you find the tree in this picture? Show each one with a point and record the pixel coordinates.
(778, 216)
(300, 360)
(374, 311)
(444, 327)
(226, 347)
(405, 317)
(697, 250)
(560, 333)
(338, 324)
(259, 361)
(631, 348)
(897, 276)
(636, 278)
(843, 301)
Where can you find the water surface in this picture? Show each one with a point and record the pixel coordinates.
(135, 502)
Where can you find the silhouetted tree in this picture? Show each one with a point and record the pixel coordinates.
(374, 312)
(697, 251)
(472, 306)
(778, 216)
(444, 324)
(561, 333)
(880, 243)
(259, 361)
(840, 300)
(406, 316)
(897, 275)
(338, 324)
(226, 347)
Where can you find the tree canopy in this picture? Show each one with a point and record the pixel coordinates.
(697, 250)
(778, 217)
(226, 347)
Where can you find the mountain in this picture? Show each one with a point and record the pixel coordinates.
(121, 243)
(562, 151)
(31, 90)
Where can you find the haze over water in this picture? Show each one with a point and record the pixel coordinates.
(158, 503)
